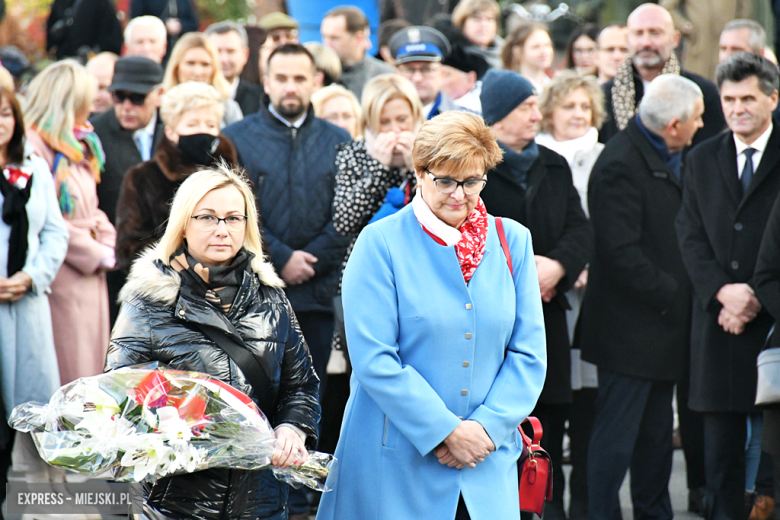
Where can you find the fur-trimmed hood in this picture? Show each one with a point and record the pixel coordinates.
(149, 282)
(177, 166)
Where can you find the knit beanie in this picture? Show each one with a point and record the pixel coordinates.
(502, 92)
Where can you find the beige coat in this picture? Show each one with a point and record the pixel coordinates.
(79, 296)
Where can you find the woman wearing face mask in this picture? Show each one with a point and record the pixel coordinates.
(529, 51)
(59, 101)
(194, 58)
(204, 286)
(191, 113)
(572, 107)
(447, 345)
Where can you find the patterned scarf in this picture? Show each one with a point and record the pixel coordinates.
(624, 106)
(83, 145)
(217, 285)
(473, 234)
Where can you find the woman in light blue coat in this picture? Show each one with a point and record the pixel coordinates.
(447, 346)
(29, 262)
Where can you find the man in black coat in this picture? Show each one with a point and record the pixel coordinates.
(636, 314)
(129, 134)
(232, 43)
(652, 39)
(533, 185)
(731, 184)
(75, 26)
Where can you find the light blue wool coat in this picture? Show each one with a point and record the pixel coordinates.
(28, 362)
(428, 350)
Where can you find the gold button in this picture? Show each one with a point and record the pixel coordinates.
(181, 313)
(464, 392)
(468, 335)
(468, 306)
(465, 363)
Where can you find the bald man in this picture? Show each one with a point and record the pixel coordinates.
(652, 40)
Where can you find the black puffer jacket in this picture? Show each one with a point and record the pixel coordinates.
(158, 322)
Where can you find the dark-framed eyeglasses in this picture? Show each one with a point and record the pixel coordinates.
(211, 222)
(119, 97)
(447, 186)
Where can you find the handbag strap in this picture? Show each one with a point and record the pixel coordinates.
(237, 350)
(536, 424)
(504, 244)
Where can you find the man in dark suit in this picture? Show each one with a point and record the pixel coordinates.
(731, 182)
(232, 43)
(129, 134)
(636, 315)
(652, 39)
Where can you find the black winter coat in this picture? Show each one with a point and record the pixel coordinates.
(713, 119)
(248, 96)
(95, 25)
(720, 233)
(294, 173)
(636, 314)
(158, 322)
(550, 208)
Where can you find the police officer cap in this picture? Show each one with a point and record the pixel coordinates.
(418, 43)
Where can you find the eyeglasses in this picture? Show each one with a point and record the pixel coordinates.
(447, 186)
(211, 222)
(584, 51)
(483, 18)
(427, 71)
(119, 97)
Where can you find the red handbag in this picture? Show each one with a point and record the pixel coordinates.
(534, 468)
(534, 471)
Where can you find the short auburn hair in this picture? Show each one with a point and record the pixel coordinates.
(563, 83)
(454, 142)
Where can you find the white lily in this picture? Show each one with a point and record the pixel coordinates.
(145, 454)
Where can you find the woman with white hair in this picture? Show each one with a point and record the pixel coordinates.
(59, 101)
(194, 58)
(191, 113)
(205, 290)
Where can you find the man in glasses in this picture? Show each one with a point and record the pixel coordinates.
(533, 185)
(418, 52)
(129, 134)
(281, 29)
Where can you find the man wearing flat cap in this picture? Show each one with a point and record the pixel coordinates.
(129, 133)
(418, 53)
(533, 185)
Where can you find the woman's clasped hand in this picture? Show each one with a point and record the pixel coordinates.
(14, 288)
(390, 147)
(467, 445)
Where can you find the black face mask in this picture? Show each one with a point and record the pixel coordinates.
(199, 147)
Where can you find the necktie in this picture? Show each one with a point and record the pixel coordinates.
(142, 142)
(747, 171)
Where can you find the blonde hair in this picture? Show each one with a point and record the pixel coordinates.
(382, 89)
(195, 41)
(7, 80)
(563, 83)
(466, 8)
(455, 142)
(325, 59)
(55, 96)
(321, 97)
(190, 193)
(188, 96)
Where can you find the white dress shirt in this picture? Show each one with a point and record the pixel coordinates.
(144, 138)
(759, 145)
(234, 87)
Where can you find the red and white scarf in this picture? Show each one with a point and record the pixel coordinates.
(469, 240)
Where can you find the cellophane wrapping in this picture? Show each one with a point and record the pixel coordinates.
(145, 422)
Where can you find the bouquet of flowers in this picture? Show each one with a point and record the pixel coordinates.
(147, 421)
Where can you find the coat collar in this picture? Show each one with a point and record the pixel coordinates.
(655, 163)
(117, 129)
(152, 281)
(768, 162)
(177, 166)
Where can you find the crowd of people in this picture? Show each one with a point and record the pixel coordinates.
(174, 195)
